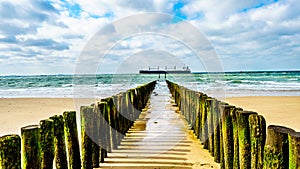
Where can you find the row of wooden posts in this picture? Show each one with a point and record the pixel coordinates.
(103, 125)
(234, 137)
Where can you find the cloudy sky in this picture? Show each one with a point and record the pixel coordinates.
(54, 36)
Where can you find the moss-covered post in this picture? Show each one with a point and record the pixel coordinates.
(70, 128)
(60, 154)
(257, 125)
(86, 113)
(216, 121)
(234, 116)
(30, 147)
(204, 134)
(47, 143)
(276, 153)
(10, 155)
(227, 133)
(294, 147)
(210, 125)
(244, 139)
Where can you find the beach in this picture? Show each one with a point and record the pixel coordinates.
(19, 112)
(277, 110)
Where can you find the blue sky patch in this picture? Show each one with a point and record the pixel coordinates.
(177, 10)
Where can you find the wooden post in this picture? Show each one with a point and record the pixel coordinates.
(204, 135)
(234, 116)
(103, 131)
(86, 113)
(227, 133)
(294, 147)
(257, 125)
(70, 128)
(60, 153)
(96, 136)
(244, 139)
(10, 156)
(276, 154)
(210, 103)
(47, 143)
(216, 128)
(30, 147)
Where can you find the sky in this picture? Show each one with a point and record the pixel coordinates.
(57, 36)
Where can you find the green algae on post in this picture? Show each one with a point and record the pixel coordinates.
(294, 147)
(30, 147)
(244, 139)
(10, 156)
(47, 143)
(276, 153)
(70, 128)
(86, 113)
(257, 125)
(60, 154)
(227, 133)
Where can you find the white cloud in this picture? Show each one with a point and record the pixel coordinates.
(238, 30)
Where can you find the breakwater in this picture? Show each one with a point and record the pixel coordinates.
(103, 125)
(237, 138)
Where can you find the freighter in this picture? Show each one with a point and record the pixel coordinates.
(167, 70)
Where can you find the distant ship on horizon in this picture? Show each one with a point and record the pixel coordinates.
(167, 70)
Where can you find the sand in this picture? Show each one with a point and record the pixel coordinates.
(19, 112)
(277, 110)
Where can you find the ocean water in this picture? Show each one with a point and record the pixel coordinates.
(283, 83)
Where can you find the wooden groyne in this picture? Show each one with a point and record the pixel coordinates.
(237, 138)
(103, 125)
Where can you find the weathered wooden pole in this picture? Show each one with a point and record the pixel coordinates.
(227, 133)
(70, 128)
(276, 153)
(96, 136)
(210, 103)
(294, 153)
(113, 122)
(10, 156)
(257, 125)
(103, 131)
(244, 139)
(204, 132)
(30, 147)
(47, 143)
(216, 128)
(234, 116)
(86, 113)
(60, 154)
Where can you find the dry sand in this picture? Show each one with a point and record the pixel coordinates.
(19, 112)
(277, 110)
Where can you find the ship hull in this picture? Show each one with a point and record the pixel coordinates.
(165, 71)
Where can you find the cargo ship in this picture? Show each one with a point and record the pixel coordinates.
(167, 70)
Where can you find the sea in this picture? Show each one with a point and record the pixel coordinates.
(219, 85)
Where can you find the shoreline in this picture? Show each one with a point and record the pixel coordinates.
(19, 112)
